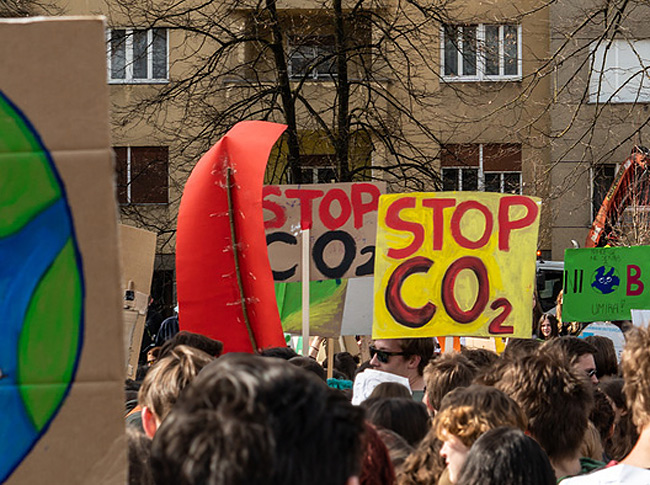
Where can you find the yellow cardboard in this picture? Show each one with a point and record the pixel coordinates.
(455, 263)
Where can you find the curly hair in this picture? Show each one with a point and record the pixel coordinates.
(636, 372)
(425, 465)
(469, 412)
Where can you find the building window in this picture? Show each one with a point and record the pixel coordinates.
(490, 167)
(318, 169)
(620, 72)
(312, 57)
(481, 52)
(602, 177)
(137, 56)
(142, 175)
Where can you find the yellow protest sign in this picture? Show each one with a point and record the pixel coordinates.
(455, 263)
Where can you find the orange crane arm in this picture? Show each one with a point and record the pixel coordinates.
(616, 201)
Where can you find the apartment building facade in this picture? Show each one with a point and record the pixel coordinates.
(484, 75)
(600, 91)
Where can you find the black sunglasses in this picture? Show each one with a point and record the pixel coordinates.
(383, 355)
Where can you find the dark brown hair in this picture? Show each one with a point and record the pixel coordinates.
(555, 398)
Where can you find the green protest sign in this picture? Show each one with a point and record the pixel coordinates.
(605, 283)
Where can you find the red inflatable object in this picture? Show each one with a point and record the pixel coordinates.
(223, 276)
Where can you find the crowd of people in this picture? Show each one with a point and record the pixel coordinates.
(548, 409)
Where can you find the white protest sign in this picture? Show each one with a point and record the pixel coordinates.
(366, 382)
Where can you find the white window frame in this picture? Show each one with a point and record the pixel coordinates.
(481, 174)
(315, 74)
(314, 173)
(128, 78)
(480, 75)
(612, 82)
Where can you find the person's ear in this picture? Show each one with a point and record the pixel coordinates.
(149, 421)
(414, 361)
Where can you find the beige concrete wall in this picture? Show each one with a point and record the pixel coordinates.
(586, 134)
(461, 112)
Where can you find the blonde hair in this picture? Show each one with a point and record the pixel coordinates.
(168, 377)
(469, 412)
(636, 372)
(592, 446)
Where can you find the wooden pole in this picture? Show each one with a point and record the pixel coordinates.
(305, 292)
(330, 358)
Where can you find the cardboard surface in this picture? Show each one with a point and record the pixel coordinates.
(69, 343)
(455, 263)
(337, 307)
(343, 223)
(605, 283)
(137, 252)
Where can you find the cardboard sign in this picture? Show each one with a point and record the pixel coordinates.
(605, 283)
(641, 318)
(61, 350)
(336, 307)
(366, 382)
(137, 251)
(455, 263)
(343, 223)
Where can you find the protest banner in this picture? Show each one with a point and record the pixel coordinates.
(342, 219)
(336, 307)
(455, 263)
(137, 252)
(605, 283)
(61, 347)
(223, 278)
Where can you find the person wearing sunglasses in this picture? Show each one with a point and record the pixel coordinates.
(404, 357)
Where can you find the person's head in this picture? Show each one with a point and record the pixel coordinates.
(602, 415)
(605, 356)
(285, 353)
(165, 381)
(139, 451)
(403, 415)
(506, 456)
(404, 357)
(195, 340)
(248, 419)
(376, 465)
(592, 445)
(547, 327)
(398, 448)
(425, 464)
(344, 363)
(152, 355)
(481, 358)
(390, 389)
(556, 399)
(636, 373)
(625, 433)
(520, 347)
(310, 365)
(468, 412)
(578, 352)
(445, 373)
